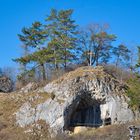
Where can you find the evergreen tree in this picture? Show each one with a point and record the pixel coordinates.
(62, 36)
(33, 37)
(52, 27)
(23, 67)
(67, 36)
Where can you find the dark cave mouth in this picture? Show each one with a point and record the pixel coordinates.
(87, 114)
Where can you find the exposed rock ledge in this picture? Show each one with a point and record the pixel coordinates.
(87, 96)
(5, 84)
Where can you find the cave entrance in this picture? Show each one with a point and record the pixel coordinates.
(87, 113)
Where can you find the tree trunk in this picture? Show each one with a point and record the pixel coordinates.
(117, 61)
(65, 59)
(55, 60)
(97, 59)
(43, 72)
(90, 58)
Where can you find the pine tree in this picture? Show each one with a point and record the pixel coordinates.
(62, 32)
(52, 27)
(67, 36)
(34, 37)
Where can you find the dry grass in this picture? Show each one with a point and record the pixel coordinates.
(112, 132)
(9, 104)
(87, 72)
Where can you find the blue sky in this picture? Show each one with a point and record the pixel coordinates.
(123, 16)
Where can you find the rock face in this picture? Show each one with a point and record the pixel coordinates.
(5, 84)
(29, 88)
(85, 97)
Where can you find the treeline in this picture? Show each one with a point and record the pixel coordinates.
(59, 44)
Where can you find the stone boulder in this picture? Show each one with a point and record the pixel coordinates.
(85, 97)
(5, 84)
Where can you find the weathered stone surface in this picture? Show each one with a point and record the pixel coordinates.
(29, 87)
(5, 84)
(85, 97)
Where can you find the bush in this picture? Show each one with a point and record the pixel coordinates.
(133, 92)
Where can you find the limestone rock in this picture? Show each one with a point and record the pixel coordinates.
(85, 97)
(5, 84)
(79, 129)
(29, 87)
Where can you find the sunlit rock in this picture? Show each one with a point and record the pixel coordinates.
(86, 97)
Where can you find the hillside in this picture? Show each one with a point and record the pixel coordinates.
(33, 114)
(10, 131)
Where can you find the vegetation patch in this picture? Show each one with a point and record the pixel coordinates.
(133, 92)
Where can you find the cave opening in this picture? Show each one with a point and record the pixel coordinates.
(87, 113)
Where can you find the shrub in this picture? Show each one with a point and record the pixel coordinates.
(133, 92)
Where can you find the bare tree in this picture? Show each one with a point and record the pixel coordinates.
(96, 44)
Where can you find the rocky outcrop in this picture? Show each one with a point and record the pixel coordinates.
(29, 87)
(85, 97)
(5, 84)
